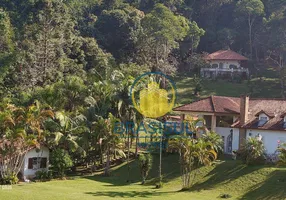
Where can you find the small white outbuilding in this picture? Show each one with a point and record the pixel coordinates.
(35, 160)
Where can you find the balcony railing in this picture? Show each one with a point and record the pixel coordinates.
(217, 71)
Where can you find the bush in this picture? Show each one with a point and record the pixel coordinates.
(214, 139)
(44, 175)
(145, 164)
(61, 161)
(282, 155)
(252, 152)
(9, 180)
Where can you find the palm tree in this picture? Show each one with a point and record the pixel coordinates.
(192, 154)
(108, 141)
(215, 139)
(65, 131)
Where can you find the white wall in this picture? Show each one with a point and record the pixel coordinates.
(269, 138)
(43, 152)
(226, 63)
(226, 132)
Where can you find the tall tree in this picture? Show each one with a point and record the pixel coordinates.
(127, 23)
(162, 30)
(48, 48)
(251, 9)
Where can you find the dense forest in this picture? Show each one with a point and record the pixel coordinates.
(46, 43)
(74, 61)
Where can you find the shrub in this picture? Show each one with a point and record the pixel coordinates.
(252, 152)
(215, 140)
(61, 161)
(145, 163)
(9, 180)
(44, 175)
(282, 155)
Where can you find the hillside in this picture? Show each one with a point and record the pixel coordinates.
(265, 85)
(223, 177)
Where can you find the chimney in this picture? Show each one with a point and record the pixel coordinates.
(244, 106)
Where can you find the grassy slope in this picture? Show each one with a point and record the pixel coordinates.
(229, 177)
(267, 86)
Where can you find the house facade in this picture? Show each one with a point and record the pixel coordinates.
(225, 63)
(35, 160)
(236, 119)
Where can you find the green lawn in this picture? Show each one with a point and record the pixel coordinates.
(224, 177)
(265, 87)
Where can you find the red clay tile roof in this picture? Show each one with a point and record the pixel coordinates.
(225, 55)
(274, 108)
(269, 114)
(213, 104)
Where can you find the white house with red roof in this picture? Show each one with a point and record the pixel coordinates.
(225, 62)
(236, 119)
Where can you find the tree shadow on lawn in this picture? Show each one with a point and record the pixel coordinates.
(223, 173)
(119, 175)
(129, 194)
(272, 188)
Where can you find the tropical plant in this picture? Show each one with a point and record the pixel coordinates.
(44, 175)
(282, 155)
(215, 139)
(64, 131)
(193, 153)
(109, 141)
(145, 164)
(252, 151)
(60, 161)
(21, 129)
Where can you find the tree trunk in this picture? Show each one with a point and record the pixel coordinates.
(250, 23)
(128, 158)
(107, 167)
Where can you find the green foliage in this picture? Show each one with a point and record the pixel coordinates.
(145, 164)
(198, 85)
(194, 63)
(251, 7)
(60, 161)
(44, 175)
(127, 23)
(192, 154)
(282, 155)
(9, 179)
(162, 30)
(215, 139)
(252, 151)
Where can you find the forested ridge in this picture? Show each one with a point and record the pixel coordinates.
(45, 42)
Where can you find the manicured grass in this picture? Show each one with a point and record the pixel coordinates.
(224, 177)
(257, 87)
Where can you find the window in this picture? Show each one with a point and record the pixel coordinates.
(214, 65)
(37, 162)
(233, 67)
(262, 120)
(220, 65)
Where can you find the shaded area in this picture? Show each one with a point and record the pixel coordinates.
(223, 173)
(120, 176)
(272, 188)
(130, 194)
